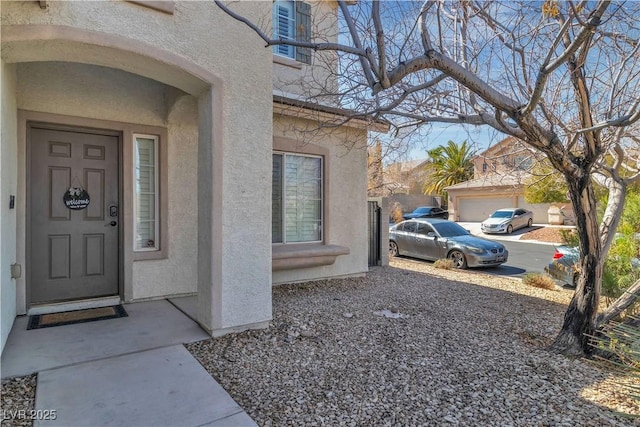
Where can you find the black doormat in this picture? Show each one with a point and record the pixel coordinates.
(39, 321)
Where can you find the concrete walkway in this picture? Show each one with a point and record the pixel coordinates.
(131, 371)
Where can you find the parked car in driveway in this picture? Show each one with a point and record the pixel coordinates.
(432, 239)
(427, 212)
(507, 220)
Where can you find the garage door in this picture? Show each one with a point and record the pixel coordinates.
(478, 209)
(539, 210)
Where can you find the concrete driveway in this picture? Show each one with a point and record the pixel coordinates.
(474, 228)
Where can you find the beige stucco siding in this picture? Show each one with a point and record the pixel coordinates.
(298, 79)
(104, 93)
(8, 186)
(92, 92)
(178, 273)
(345, 196)
(228, 73)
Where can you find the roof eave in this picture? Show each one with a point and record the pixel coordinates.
(330, 115)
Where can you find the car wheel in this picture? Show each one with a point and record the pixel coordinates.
(530, 223)
(393, 249)
(509, 229)
(459, 261)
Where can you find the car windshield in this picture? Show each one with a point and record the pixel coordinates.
(422, 210)
(449, 229)
(502, 214)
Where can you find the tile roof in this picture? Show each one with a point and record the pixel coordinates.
(493, 180)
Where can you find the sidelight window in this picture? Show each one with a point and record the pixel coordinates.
(146, 193)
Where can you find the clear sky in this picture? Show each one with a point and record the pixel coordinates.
(416, 145)
(480, 138)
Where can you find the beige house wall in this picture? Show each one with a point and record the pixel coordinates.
(130, 62)
(345, 195)
(300, 80)
(107, 94)
(8, 186)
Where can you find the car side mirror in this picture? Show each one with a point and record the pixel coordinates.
(432, 234)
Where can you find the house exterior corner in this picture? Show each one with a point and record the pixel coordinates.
(142, 162)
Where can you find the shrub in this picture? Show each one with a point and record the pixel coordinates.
(396, 212)
(569, 237)
(618, 345)
(539, 281)
(619, 272)
(445, 264)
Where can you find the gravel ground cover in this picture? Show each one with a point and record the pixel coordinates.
(413, 345)
(407, 345)
(544, 234)
(17, 395)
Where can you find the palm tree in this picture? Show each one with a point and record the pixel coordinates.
(451, 164)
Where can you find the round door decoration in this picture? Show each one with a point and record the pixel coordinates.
(76, 198)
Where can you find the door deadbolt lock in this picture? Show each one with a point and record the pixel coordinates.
(113, 211)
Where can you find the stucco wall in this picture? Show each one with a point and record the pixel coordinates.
(178, 273)
(8, 186)
(302, 80)
(222, 59)
(345, 197)
(92, 92)
(108, 94)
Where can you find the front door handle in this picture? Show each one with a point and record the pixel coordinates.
(112, 224)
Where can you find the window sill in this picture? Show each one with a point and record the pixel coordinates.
(289, 257)
(149, 255)
(283, 60)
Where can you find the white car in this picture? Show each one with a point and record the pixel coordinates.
(507, 220)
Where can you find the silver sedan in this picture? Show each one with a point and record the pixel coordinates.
(432, 239)
(507, 220)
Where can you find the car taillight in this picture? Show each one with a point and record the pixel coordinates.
(557, 255)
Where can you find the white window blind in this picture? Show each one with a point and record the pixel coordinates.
(284, 26)
(145, 193)
(292, 21)
(297, 198)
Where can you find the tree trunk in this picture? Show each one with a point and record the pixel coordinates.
(612, 214)
(580, 318)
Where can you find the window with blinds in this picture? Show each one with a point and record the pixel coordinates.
(292, 21)
(284, 26)
(145, 206)
(296, 198)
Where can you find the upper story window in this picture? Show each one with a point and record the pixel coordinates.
(292, 21)
(296, 198)
(523, 162)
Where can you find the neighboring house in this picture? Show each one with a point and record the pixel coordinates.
(194, 148)
(500, 174)
(396, 178)
(406, 177)
(401, 183)
(505, 157)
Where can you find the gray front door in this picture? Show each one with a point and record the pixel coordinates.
(73, 253)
